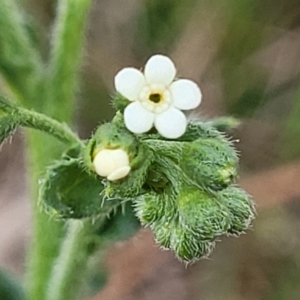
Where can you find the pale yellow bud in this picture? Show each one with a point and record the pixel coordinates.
(112, 163)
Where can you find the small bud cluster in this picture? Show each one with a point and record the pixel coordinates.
(183, 189)
(197, 200)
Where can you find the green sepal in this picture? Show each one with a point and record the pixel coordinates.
(187, 245)
(202, 213)
(166, 149)
(8, 126)
(131, 186)
(153, 207)
(119, 102)
(163, 231)
(187, 222)
(111, 136)
(198, 130)
(114, 136)
(175, 235)
(210, 162)
(241, 208)
(68, 191)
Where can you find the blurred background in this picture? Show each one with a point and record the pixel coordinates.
(245, 56)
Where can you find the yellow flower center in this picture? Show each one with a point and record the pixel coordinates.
(155, 98)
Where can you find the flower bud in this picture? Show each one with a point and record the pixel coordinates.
(117, 155)
(112, 163)
(241, 208)
(188, 246)
(187, 221)
(210, 162)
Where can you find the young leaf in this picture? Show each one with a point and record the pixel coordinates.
(121, 225)
(70, 192)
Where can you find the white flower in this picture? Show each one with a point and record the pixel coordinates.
(112, 163)
(156, 99)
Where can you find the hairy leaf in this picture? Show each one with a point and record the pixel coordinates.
(70, 192)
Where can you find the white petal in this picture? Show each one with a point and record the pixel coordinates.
(137, 119)
(171, 123)
(185, 94)
(160, 69)
(108, 161)
(118, 174)
(129, 82)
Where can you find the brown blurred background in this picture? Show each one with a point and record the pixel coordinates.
(245, 56)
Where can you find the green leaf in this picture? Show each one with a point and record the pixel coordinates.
(9, 287)
(70, 192)
(8, 126)
(121, 225)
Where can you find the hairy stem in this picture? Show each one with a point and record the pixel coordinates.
(35, 120)
(66, 55)
(68, 272)
(46, 124)
(47, 233)
(55, 97)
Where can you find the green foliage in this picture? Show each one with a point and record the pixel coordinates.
(199, 129)
(191, 200)
(70, 192)
(20, 116)
(120, 225)
(10, 288)
(182, 189)
(119, 102)
(240, 206)
(65, 57)
(210, 163)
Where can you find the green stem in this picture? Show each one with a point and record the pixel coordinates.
(66, 54)
(56, 98)
(68, 272)
(81, 241)
(46, 124)
(35, 120)
(47, 233)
